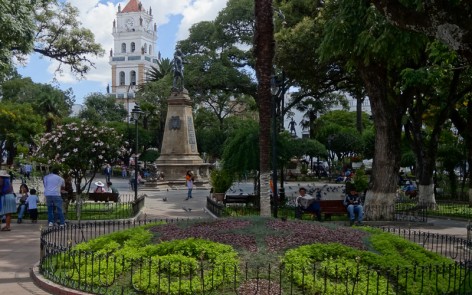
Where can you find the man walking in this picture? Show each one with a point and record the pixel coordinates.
(53, 186)
(108, 172)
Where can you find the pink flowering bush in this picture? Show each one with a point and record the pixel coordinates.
(80, 148)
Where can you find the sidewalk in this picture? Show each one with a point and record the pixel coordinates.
(19, 250)
(20, 247)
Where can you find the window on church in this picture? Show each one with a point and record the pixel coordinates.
(133, 47)
(145, 48)
(150, 49)
(123, 47)
(133, 77)
(122, 78)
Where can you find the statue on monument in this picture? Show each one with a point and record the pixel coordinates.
(178, 67)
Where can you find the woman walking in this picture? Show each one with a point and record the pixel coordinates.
(7, 199)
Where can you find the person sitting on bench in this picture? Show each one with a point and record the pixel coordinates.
(307, 203)
(353, 205)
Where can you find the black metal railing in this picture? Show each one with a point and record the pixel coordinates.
(110, 274)
(400, 211)
(126, 208)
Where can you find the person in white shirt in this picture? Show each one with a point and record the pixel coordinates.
(307, 203)
(32, 204)
(53, 186)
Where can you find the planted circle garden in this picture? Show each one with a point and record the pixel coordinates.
(254, 255)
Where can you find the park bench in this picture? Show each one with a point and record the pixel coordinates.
(103, 197)
(239, 199)
(328, 208)
(332, 207)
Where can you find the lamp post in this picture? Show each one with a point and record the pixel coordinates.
(273, 88)
(136, 113)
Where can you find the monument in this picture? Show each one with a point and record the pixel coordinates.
(179, 151)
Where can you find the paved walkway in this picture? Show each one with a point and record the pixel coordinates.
(19, 250)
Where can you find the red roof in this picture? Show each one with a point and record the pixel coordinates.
(132, 6)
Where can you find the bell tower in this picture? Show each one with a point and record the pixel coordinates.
(133, 52)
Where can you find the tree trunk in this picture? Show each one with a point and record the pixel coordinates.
(468, 142)
(426, 195)
(264, 53)
(387, 109)
(359, 101)
(425, 177)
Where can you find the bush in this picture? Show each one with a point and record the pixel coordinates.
(221, 180)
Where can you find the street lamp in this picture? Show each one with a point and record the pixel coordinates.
(136, 113)
(129, 95)
(274, 90)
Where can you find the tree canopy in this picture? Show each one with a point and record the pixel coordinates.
(48, 27)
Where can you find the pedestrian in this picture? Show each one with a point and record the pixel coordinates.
(32, 203)
(28, 170)
(110, 188)
(21, 201)
(189, 182)
(54, 185)
(7, 199)
(108, 172)
(123, 171)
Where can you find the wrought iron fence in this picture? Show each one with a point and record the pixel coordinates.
(127, 207)
(400, 211)
(110, 274)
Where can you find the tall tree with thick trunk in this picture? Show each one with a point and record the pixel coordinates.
(264, 54)
(356, 34)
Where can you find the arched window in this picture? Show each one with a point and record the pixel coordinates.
(150, 52)
(145, 48)
(133, 77)
(133, 47)
(122, 78)
(123, 47)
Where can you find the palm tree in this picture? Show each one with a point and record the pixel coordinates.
(50, 107)
(164, 67)
(264, 54)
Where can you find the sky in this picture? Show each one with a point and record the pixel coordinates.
(173, 18)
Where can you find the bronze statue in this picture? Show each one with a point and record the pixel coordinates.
(292, 125)
(178, 67)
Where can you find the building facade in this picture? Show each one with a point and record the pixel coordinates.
(133, 52)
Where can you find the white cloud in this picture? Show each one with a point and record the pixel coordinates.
(199, 10)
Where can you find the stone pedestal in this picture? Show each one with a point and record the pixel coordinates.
(179, 151)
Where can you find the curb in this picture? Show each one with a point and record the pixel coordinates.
(50, 286)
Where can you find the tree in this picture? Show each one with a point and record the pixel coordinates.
(241, 150)
(356, 33)
(16, 31)
(20, 123)
(102, 108)
(50, 102)
(81, 148)
(47, 27)
(164, 67)
(438, 87)
(448, 21)
(264, 54)
(217, 75)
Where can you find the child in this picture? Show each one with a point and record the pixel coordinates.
(32, 203)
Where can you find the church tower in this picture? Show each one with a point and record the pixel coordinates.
(133, 52)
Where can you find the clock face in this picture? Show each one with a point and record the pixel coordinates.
(129, 22)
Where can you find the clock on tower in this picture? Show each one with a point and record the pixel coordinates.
(129, 23)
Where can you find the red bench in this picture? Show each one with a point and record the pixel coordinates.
(103, 197)
(328, 208)
(332, 207)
